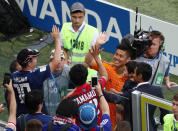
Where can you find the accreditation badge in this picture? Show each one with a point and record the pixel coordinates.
(159, 79)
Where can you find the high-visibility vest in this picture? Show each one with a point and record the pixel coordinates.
(82, 46)
(169, 123)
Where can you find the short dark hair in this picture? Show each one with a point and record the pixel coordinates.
(145, 70)
(157, 34)
(125, 46)
(175, 97)
(13, 66)
(67, 108)
(131, 65)
(78, 74)
(33, 99)
(34, 125)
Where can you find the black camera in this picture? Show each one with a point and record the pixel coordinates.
(7, 77)
(139, 42)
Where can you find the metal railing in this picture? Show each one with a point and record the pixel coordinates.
(140, 102)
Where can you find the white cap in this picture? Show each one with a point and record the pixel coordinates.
(52, 54)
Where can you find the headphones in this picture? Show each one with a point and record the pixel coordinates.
(157, 34)
(162, 46)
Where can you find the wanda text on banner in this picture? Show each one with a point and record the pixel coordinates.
(116, 20)
(44, 13)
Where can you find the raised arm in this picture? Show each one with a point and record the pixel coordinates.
(89, 61)
(95, 51)
(57, 58)
(13, 107)
(103, 103)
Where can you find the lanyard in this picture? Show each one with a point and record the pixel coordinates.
(78, 36)
(175, 129)
(56, 84)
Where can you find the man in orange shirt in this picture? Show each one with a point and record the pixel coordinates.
(117, 73)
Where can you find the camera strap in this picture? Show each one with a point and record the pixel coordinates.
(56, 84)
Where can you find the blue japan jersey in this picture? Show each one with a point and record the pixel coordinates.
(26, 81)
(39, 116)
(8, 129)
(58, 127)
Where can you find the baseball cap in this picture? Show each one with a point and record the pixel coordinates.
(87, 116)
(25, 55)
(77, 7)
(52, 54)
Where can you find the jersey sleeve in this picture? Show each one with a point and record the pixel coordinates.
(41, 74)
(95, 67)
(105, 123)
(167, 72)
(8, 129)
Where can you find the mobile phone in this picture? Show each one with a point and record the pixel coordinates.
(7, 77)
(94, 81)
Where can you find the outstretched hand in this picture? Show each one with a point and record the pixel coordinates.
(55, 32)
(101, 38)
(95, 50)
(169, 84)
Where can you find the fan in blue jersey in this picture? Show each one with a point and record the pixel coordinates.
(30, 77)
(34, 104)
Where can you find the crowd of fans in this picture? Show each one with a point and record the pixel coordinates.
(37, 98)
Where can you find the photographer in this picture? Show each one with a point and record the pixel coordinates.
(159, 63)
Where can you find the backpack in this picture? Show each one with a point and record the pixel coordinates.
(22, 122)
(12, 20)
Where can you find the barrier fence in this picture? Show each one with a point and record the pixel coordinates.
(140, 102)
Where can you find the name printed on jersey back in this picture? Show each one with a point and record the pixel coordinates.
(20, 79)
(85, 97)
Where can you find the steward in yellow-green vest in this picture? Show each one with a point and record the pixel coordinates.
(82, 46)
(170, 124)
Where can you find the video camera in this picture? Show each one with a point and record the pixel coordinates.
(140, 40)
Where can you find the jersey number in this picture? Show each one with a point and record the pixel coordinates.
(95, 102)
(20, 90)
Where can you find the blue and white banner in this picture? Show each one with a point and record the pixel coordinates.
(42, 14)
(116, 20)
